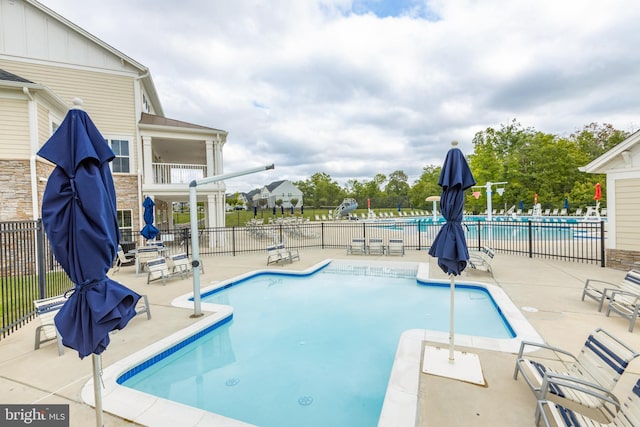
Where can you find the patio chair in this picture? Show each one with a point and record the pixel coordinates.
(159, 269)
(288, 255)
(482, 259)
(46, 310)
(624, 413)
(274, 256)
(601, 290)
(626, 304)
(357, 246)
(180, 264)
(122, 259)
(601, 361)
(395, 247)
(376, 246)
(143, 255)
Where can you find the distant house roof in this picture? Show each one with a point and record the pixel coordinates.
(150, 119)
(274, 185)
(252, 193)
(5, 75)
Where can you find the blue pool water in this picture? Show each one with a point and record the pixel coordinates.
(311, 351)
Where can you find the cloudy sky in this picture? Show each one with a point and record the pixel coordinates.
(353, 88)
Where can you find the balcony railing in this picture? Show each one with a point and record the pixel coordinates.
(177, 173)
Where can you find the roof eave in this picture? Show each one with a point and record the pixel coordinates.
(598, 165)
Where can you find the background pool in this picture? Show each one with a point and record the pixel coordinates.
(313, 351)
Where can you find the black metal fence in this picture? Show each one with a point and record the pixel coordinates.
(28, 270)
(569, 241)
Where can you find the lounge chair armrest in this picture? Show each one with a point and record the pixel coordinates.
(588, 281)
(625, 293)
(579, 385)
(542, 346)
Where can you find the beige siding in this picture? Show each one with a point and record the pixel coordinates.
(14, 129)
(108, 98)
(627, 209)
(43, 124)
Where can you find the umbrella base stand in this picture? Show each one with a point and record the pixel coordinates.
(465, 366)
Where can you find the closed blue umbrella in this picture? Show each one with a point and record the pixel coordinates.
(149, 231)
(79, 217)
(521, 205)
(450, 245)
(566, 203)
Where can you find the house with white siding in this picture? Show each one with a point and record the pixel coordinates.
(621, 165)
(281, 190)
(46, 61)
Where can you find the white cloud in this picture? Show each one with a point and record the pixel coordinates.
(319, 86)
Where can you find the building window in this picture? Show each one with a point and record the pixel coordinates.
(125, 225)
(120, 148)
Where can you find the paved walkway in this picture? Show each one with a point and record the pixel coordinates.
(549, 290)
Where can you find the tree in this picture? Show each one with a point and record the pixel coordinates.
(425, 186)
(321, 190)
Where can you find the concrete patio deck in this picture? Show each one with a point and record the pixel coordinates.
(548, 290)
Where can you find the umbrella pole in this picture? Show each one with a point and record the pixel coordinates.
(97, 391)
(452, 286)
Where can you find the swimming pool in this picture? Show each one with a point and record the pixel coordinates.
(303, 397)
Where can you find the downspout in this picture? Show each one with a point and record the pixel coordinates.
(33, 148)
(137, 90)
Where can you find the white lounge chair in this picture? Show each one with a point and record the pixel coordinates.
(180, 264)
(601, 290)
(395, 247)
(626, 304)
(122, 259)
(273, 255)
(46, 310)
(482, 259)
(357, 246)
(287, 255)
(376, 246)
(621, 413)
(601, 361)
(159, 269)
(143, 255)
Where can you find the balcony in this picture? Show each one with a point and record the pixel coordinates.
(177, 173)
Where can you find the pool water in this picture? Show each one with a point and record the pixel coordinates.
(311, 351)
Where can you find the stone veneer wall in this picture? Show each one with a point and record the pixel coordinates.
(15, 191)
(127, 197)
(622, 259)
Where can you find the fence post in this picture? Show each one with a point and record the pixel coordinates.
(530, 239)
(233, 241)
(187, 245)
(479, 236)
(602, 260)
(42, 279)
(322, 234)
(419, 235)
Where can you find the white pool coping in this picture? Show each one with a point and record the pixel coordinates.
(400, 403)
